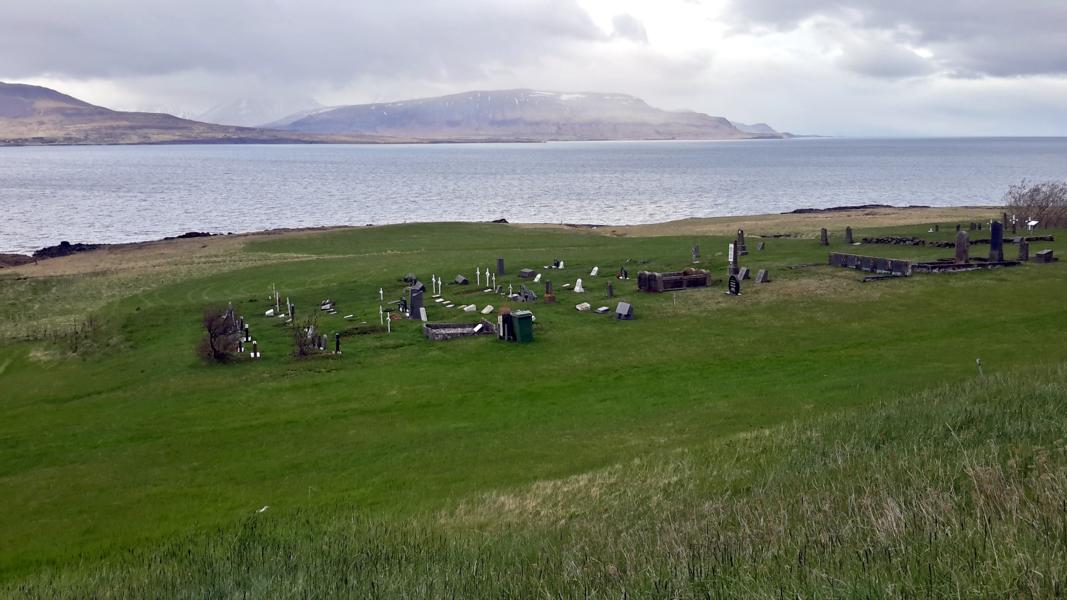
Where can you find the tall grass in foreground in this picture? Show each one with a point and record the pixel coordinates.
(953, 492)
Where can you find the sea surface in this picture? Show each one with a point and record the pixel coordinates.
(135, 193)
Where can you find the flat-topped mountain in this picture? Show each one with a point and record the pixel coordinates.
(522, 114)
(34, 115)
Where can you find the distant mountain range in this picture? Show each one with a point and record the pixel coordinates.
(524, 114)
(257, 112)
(32, 115)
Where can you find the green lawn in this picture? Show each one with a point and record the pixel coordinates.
(133, 444)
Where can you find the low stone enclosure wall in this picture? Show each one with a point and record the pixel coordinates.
(904, 268)
(650, 281)
(871, 264)
(915, 241)
(450, 331)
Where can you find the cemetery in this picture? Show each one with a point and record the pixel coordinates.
(482, 392)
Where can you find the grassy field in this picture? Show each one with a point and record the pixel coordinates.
(817, 435)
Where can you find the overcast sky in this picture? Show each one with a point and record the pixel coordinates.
(861, 67)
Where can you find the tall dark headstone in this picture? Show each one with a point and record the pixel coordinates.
(611, 290)
(824, 237)
(957, 226)
(848, 235)
(337, 343)
(1024, 250)
(500, 266)
(732, 259)
(414, 303)
(937, 228)
(963, 248)
(996, 242)
(548, 286)
(696, 253)
(742, 250)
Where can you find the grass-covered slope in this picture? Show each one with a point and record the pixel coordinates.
(956, 491)
(117, 441)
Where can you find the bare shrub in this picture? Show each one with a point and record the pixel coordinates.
(304, 343)
(1044, 201)
(220, 335)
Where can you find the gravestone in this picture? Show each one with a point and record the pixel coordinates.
(414, 303)
(583, 307)
(578, 286)
(255, 349)
(337, 343)
(996, 242)
(824, 237)
(611, 290)
(537, 278)
(762, 276)
(1044, 256)
(594, 272)
(1024, 250)
(500, 266)
(957, 226)
(696, 253)
(488, 309)
(526, 273)
(761, 246)
(731, 256)
(461, 280)
(937, 228)
(624, 312)
(550, 298)
(602, 310)
(422, 314)
(741, 249)
(470, 308)
(848, 235)
(548, 286)
(743, 273)
(733, 287)
(963, 247)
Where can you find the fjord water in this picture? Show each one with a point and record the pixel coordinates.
(108, 194)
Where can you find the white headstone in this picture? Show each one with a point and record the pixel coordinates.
(488, 309)
(578, 286)
(422, 313)
(381, 294)
(478, 328)
(584, 306)
(470, 308)
(381, 315)
(594, 272)
(537, 278)
(561, 264)
(477, 276)
(269, 313)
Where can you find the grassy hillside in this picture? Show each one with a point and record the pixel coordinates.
(611, 455)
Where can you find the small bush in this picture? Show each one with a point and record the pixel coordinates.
(220, 335)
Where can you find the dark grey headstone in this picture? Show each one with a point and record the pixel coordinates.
(733, 287)
(337, 343)
(742, 250)
(527, 273)
(624, 312)
(500, 266)
(761, 246)
(548, 286)
(762, 276)
(611, 290)
(1044, 256)
(996, 242)
(461, 280)
(848, 235)
(696, 253)
(824, 237)
(963, 247)
(414, 303)
(1024, 250)
(743, 273)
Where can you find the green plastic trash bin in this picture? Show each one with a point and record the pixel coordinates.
(523, 322)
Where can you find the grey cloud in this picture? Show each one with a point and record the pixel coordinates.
(968, 37)
(282, 39)
(630, 27)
